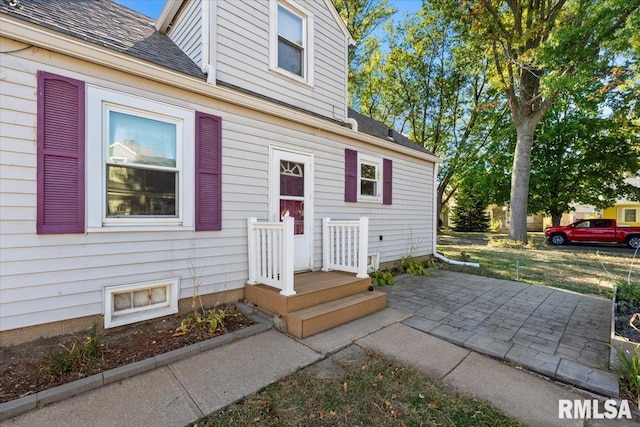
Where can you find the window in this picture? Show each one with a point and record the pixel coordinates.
(290, 43)
(292, 193)
(291, 40)
(627, 215)
(140, 164)
(140, 301)
(369, 178)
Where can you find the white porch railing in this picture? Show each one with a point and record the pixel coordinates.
(271, 254)
(344, 245)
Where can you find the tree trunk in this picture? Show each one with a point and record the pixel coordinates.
(520, 181)
(556, 217)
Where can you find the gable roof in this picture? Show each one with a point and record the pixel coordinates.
(116, 27)
(106, 24)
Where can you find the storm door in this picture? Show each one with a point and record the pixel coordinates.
(291, 181)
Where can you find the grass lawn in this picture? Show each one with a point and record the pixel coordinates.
(580, 271)
(377, 392)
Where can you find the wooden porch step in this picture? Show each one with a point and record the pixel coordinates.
(311, 320)
(311, 289)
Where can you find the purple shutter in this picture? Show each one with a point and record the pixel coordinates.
(60, 175)
(387, 180)
(208, 172)
(350, 175)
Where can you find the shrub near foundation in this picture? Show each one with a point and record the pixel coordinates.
(406, 265)
(79, 355)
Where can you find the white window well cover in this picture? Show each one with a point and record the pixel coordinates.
(136, 302)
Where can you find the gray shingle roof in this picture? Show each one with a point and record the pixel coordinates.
(375, 128)
(107, 24)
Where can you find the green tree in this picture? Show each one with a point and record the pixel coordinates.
(433, 87)
(581, 157)
(469, 213)
(363, 18)
(540, 50)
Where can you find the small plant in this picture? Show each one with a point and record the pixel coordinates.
(629, 371)
(382, 278)
(199, 317)
(628, 292)
(409, 265)
(211, 318)
(80, 354)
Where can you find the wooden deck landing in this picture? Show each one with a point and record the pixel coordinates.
(322, 301)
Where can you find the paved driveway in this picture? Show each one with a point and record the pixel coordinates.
(560, 334)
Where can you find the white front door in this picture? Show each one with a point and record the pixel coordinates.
(291, 186)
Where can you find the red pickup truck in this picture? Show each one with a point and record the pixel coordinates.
(593, 230)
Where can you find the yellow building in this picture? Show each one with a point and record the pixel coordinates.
(626, 212)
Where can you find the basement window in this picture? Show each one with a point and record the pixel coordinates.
(373, 262)
(140, 301)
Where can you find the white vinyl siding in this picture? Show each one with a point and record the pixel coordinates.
(243, 57)
(186, 31)
(50, 278)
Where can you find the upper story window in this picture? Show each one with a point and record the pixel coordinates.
(291, 51)
(290, 42)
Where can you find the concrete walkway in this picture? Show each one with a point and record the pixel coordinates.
(560, 334)
(179, 392)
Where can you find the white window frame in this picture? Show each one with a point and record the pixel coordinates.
(99, 102)
(139, 314)
(307, 40)
(364, 159)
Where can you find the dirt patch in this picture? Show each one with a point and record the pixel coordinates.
(27, 368)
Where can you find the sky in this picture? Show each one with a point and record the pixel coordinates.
(152, 8)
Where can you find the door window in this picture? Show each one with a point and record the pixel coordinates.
(292, 193)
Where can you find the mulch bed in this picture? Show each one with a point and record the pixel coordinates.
(26, 368)
(624, 311)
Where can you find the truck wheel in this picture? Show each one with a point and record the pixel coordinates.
(558, 239)
(633, 242)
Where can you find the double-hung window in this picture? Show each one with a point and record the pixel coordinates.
(139, 161)
(370, 178)
(141, 165)
(291, 40)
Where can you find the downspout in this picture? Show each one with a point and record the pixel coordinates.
(435, 226)
(353, 123)
(207, 67)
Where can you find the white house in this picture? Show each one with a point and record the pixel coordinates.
(210, 149)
